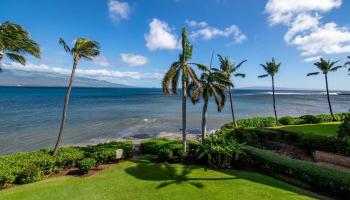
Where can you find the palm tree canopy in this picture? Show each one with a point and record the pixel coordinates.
(15, 41)
(83, 48)
(229, 69)
(181, 68)
(325, 66)
(213, 83)
(271, 68)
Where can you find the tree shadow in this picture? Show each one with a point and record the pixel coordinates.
(167, 174)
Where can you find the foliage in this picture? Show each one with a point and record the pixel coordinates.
(331, 181)
(241, 135)
(86, 164)
(344, 129)
(257, 122)
(15, 41)
(288, 120)
(309, 119)
(220, 151)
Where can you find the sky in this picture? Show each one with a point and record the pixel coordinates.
(140, 38)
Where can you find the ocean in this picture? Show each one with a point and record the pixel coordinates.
(30, 116)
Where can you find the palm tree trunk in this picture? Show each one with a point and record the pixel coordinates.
(204, 119)
(274, 100)
(329, 100)
(64, 114)
(232, 109)
(1, 57)
(184, 97)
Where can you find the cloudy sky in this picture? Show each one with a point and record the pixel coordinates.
(140, 38)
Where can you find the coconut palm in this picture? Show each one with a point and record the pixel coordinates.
(15, 42)
(83, 49)
(213, 83)
(326, 66)
(229, 70)
(271, 69)
(183, 69)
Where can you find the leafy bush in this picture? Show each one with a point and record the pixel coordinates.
(241, 135)
(165, 153)
(288, 120)
(257, 122)
(309, 119)
(86, 164)
(68, 157)
(106, 152)
(30, 174)
(220, 151)
(344, 129)
(325, 179)
(324, 118)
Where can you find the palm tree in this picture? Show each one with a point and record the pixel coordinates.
(325, 67)
(15, 42)
(183, 69)
(271, 69)
(230, 70)
(214, 83)
(83, 49)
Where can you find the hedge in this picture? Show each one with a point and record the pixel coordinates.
(321, 178)
(33, 166)
(261, 122)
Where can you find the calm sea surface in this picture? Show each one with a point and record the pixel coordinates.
(30, 117)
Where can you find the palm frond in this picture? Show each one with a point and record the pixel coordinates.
(239, 65)
(200, 66)
(313, 73)
(64, 45)
(168, 78)
(240, 75)
(263, 76)
(16, 57)
(334, 69)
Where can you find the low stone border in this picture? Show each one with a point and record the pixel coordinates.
(321, 156)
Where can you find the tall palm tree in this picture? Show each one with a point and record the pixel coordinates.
(230, 69)
(326, 66)
(15, 42)
(271, 69)
(182, 68)
(213, 83)
(83, 49)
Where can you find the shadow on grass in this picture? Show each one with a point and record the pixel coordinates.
(168, 174)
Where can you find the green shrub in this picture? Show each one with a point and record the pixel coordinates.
(86, 164)
(331, 181)
(220, 151)
(30, 174)
(324, 118)
(257, 122)
(344, 129)
(68, 157)
(165, 153)
(309, 119)
(241, 135)
(288, 120)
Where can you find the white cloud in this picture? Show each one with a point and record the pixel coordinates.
(102, 61)
(118, 10)
(160, 36)
(305, 29)
(193, 23)
(283, 11)
(133, 60)
(312, 59)
(101, 74)
(203, 31)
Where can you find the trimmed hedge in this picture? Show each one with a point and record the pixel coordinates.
(262, 122)
(321, 178)
(86, 164)
(33, 166)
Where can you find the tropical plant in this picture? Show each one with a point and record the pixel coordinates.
(344, 128)
(213, 83)
(229, 70)
(83, 49)
(271, 69)
(220, 151)
(182, 68)
(326, 66)
(15, 42)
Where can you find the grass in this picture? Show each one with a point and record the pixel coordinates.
(325, 129)
(141, 179)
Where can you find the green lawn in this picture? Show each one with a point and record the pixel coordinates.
(325, 129)
(141, 179)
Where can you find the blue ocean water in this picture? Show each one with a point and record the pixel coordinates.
(30, 117)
